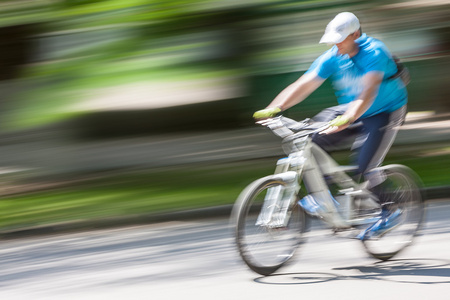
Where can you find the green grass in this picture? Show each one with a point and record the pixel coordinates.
(166, 189)
(131, 193)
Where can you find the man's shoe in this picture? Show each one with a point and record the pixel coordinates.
(310, 205)
(388, 221)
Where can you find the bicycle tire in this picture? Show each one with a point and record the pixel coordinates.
(264, 250)
(404, 190)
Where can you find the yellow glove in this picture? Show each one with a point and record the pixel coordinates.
(340, 121)
(266, 113)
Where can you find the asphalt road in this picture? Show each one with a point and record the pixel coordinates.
(197, 260)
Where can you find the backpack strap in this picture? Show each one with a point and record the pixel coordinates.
(402, 71)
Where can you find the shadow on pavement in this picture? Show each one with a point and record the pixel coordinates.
(417, 271)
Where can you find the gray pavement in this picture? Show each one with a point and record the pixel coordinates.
(198, 260)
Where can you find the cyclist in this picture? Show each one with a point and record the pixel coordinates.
(361, 69)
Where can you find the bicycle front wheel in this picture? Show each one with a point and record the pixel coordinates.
(265, 246)
(402, 189)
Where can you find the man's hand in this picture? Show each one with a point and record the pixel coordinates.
(338, 124)
(266, 113)
(340, 121)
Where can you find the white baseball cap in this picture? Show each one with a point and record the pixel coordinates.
(339, 28)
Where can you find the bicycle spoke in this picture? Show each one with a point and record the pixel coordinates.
(403, 195)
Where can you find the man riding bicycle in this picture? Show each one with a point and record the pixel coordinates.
(370, 99)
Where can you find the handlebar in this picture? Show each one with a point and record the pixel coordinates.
(289, 129)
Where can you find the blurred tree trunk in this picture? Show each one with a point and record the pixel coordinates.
(15, 50)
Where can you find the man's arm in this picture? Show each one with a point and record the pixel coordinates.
(297, 91)
(371, 82)
(291, 95)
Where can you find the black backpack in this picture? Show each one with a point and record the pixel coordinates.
(402, 71)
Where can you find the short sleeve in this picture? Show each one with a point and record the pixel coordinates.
(377, 62)
(323, 65)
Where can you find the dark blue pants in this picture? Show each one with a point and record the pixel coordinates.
(372, 137)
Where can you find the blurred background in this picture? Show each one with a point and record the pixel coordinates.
(115, 107)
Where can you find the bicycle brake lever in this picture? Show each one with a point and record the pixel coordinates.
(269, 121)
(264, 122)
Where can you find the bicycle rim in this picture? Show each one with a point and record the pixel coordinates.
(403, 189)
(266, 248)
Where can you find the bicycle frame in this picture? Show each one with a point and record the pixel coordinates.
(307, 162)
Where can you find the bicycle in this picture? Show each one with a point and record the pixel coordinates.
(269, 217)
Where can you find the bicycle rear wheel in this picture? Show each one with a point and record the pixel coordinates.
(265, 247)
(402, 188)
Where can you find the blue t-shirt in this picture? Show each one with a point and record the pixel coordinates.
(346, 74)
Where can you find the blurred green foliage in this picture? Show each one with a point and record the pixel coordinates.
(76, 46)
(57, 53)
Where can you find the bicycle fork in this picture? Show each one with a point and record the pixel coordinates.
(278, 199)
